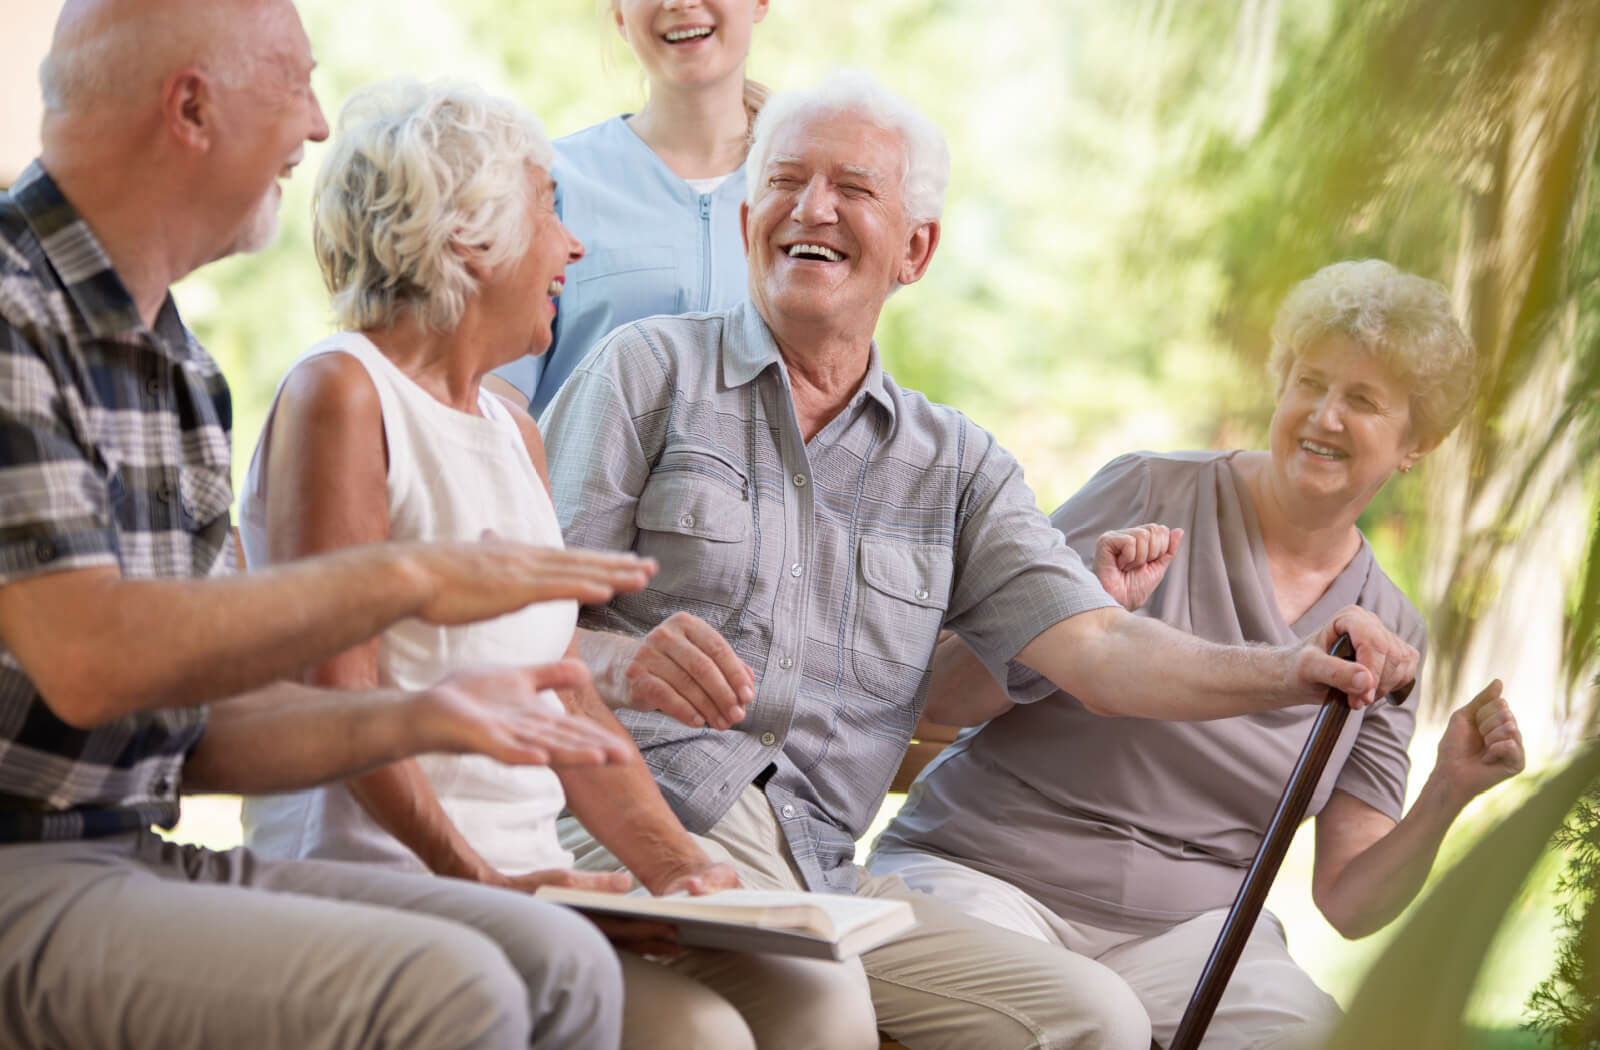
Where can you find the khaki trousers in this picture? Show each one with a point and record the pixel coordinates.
(1270, 1001)
(952, 983)
(138, 943)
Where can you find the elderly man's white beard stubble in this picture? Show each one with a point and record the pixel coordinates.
(260, 227)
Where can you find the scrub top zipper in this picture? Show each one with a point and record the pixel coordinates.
(705, 253)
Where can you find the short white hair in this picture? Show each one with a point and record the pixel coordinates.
(1404, 320)
(925, 170)
(417, 174)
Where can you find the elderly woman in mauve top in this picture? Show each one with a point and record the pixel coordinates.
(1125, 839)
(433, 218)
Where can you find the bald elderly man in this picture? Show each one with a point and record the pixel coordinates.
(135, 666)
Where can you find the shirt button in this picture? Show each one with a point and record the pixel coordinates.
(162, 786)
(786, 663)
(687, 521)
(799, 481)
(768, 739)
(152, 387)
(787, 811)
(164, 493)
(922, 594)
(45, 551)
(795, 569)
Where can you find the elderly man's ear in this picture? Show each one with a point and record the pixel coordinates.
(188, 100)
(919, 252)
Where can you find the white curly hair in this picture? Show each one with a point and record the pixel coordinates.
(420, 175)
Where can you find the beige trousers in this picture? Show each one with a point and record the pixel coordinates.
(133, 942)
(1270, 1001)
(951, 983)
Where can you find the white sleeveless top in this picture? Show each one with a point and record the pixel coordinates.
(451, 476)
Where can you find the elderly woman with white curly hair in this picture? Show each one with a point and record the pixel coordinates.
(436, 235)
(1123, 839)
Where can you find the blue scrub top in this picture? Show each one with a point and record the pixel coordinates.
(653, 245)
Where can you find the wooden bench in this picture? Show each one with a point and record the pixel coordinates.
(925, 746)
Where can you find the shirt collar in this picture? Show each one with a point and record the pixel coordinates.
(85, 271)
(751, 350)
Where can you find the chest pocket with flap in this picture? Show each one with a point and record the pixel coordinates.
(900, 606)
(694, 519)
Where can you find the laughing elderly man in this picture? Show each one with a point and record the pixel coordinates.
(168, 124)
(829, 523)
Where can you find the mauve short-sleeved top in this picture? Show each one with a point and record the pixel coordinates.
(1136, 824)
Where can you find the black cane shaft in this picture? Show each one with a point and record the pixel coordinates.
(1252, 894)
(1280, 833)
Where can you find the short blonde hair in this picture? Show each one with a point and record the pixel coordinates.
(417, 173)
(1405, 320)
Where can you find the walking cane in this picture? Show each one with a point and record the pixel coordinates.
(1269, 857)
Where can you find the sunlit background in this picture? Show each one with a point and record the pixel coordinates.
(1135, 186)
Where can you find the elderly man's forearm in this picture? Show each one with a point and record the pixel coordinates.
(100, 646)
(1118, 664)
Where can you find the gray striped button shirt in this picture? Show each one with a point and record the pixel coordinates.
(830, 566)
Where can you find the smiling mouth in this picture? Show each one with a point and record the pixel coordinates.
(1322, 451)
(556, 284)
(814, 252)
(683, 36)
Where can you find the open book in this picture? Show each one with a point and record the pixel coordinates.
(820, 925)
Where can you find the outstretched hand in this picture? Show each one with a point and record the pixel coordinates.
(1384, 662)
(501, 714)
(469, 582)
(1482, 744)
(1129, 563)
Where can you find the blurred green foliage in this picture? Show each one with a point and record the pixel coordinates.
(1565, 1006)
(1417, 992)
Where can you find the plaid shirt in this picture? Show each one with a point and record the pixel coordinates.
(114, 450)
(829, 566)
